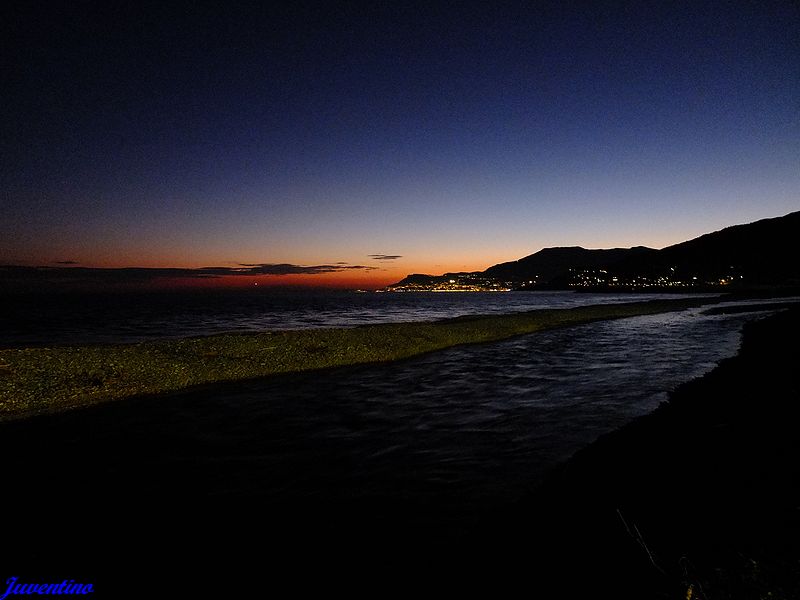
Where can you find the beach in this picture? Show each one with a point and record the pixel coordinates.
(698, 499)
(697, 495)
(45, 380)
(414, 299)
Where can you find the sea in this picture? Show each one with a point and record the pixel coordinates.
(451, 434)
(117, 317)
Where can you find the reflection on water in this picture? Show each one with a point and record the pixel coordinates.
(454, 432)
(482, 420)
(115, 318)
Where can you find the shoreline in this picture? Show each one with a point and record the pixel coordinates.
(706, 477)
(697, 499)
(35, 381)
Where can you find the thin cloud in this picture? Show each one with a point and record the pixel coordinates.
(66, 262)
(385, 256)
(289, 269)
(67, 272)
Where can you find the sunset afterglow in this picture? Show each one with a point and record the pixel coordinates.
(314, 135)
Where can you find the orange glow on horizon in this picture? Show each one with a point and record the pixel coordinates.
(376, 275)
(347, 279)
(325, 280)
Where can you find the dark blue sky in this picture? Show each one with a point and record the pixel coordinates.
(452, 135)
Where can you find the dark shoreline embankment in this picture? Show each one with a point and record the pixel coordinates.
(699, 499)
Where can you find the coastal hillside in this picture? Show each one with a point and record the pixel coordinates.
(742, 256)
(553, 264)
(762, 252)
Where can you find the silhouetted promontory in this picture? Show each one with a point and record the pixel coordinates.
(751, 256)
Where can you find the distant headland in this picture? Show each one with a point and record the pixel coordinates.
(752, 256)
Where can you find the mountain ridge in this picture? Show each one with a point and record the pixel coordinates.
(758, 253)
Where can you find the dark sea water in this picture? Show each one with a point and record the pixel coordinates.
(433, 441)
(468, 422)
(28, 320)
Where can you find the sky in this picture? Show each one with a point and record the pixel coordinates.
(350, 144)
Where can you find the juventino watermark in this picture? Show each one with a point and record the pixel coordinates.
(14, 586)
